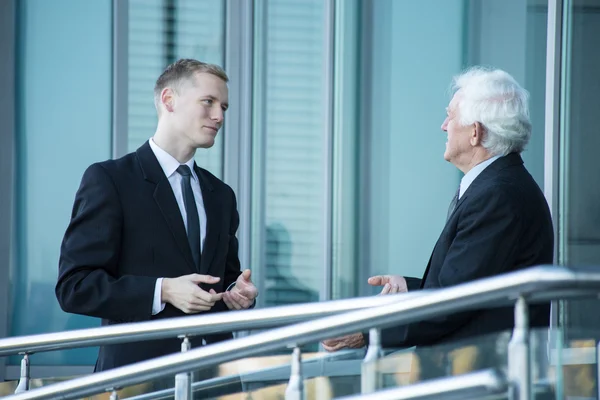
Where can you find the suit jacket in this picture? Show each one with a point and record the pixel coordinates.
(501, 224)
(126, 230)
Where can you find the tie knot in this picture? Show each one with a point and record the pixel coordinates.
(184, 170)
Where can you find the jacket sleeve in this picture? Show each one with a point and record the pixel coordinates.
(232, 269)
(232, 263)
(89, 281)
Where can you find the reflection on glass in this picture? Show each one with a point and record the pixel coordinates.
(292, 113)
(161, 32)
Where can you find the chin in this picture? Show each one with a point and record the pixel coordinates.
(207, 144)
(205, 141)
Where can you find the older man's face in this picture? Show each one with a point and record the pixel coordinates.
(458, 147)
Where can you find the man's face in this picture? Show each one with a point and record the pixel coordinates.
(199, 109)
(458, 146)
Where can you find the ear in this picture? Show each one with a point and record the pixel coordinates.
(477, 134)
(167, 98)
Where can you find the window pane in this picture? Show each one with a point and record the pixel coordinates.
(63, 126)
(293, 111)
(415, 48)
(159, 33)
(579, 187)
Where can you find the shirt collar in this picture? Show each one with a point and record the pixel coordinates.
(470, 176)
(167, 162)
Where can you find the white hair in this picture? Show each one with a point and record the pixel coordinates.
(495, 100)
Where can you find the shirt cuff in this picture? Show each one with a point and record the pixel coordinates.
(157, 305)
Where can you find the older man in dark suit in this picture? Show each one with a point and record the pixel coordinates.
(152, 235)
(498, 221)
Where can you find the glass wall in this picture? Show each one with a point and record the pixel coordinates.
(63, 125)
(161, 32)
(290, 154)
(400, 59)
(414, 58)
(579, 187)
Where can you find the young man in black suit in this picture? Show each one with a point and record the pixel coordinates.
(152, 235)
(498, 221)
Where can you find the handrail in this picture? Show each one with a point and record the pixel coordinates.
(343, 355)
(539, 283)
(186, 326)
(475, 385)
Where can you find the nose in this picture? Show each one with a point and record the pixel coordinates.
(217, 114)
(445, 125)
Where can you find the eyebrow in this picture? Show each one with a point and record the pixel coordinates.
(209, 96)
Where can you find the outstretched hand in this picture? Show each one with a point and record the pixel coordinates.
(243, 293)
(390, 283)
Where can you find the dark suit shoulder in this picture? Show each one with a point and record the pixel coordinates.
(128, 161)
(510, 181)
(215, 182)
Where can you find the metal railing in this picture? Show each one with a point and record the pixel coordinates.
(537, 284)
(476, 385)
(187, 326)
(183, 327)
(313, 367)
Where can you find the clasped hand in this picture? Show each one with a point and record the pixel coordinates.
(185, 293)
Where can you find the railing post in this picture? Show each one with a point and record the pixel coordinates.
(370, 378)
(519, 357)
(597, 368)
(114, 395)
(183, 380)
(295, 388)
(23, 385)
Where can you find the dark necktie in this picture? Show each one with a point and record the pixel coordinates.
(453, 204)
(193, 221)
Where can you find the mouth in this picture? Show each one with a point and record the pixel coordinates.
(212, 128)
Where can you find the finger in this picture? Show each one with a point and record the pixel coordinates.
(378, 280)
(207, 297)
(246, 275)
(329, 343)
(197, 304)
(328, 348)
(241, 300)
(249, 293)
(395, 289)
(231, 302)
(336, 347)
(197, 278)
(386, 289)
(191, 308)
(228, 302)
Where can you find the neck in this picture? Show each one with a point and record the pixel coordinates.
(477, 157)
(173, 144)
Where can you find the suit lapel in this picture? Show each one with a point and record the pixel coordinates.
(491, 170)
(213, 210)
(165, 199)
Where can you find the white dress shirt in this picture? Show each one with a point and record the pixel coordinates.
(470, 176)
(169, 166)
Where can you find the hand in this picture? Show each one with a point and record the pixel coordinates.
(243, 293)
(185, 294)
(354, 341)
(390, 283)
